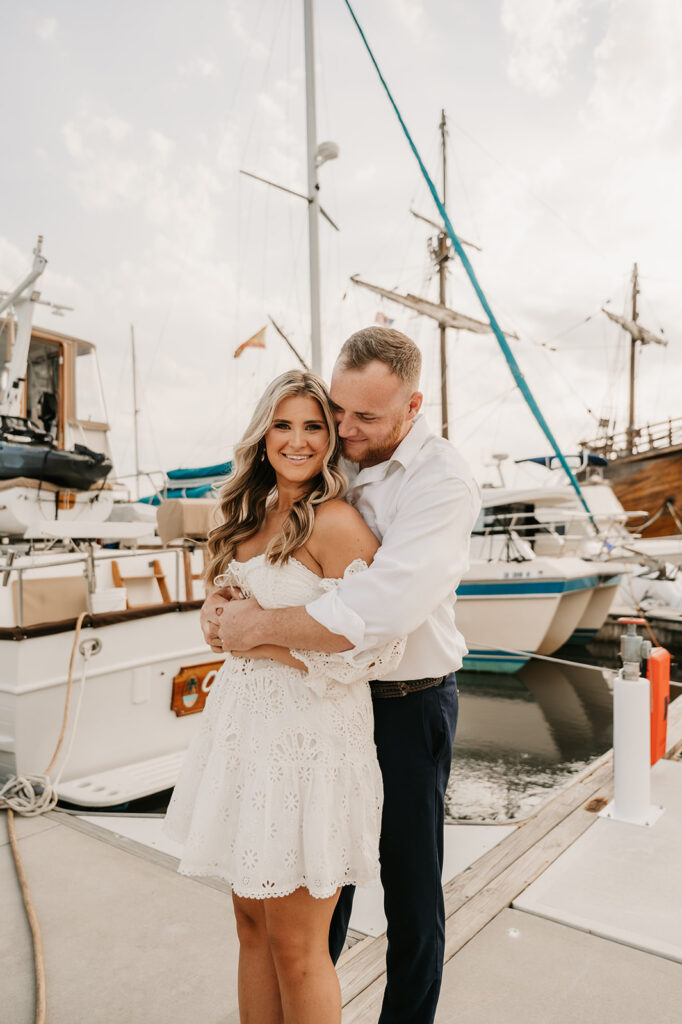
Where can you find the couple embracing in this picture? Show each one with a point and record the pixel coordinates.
(325, 745)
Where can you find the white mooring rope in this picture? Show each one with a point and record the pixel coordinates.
(29, 796)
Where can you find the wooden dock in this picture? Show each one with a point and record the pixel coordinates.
(127, 939)
(475, 897)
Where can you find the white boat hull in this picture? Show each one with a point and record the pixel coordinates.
(28, 503)
(509, 611)
(125, 717)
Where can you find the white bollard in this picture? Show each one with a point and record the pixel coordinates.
(631, 749)
(632, 736)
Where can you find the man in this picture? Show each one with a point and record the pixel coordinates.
(419, 498)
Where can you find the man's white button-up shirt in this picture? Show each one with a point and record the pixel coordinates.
(421, 504)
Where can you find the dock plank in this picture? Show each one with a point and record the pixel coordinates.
(370, 963)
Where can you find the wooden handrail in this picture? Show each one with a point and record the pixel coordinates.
(651, 437)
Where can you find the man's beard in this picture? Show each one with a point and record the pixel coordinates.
(379, 450)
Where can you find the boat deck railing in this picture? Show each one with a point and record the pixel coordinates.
(638, 441)
(530, 523)
(89, 560)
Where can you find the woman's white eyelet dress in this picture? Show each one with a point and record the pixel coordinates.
(281, 787)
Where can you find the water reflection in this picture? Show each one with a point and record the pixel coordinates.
(521, 737)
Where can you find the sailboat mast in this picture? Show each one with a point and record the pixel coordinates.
(442, 260)
(136, 413)
(633, 357)
(313, 191)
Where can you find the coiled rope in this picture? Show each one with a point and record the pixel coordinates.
(31, 795)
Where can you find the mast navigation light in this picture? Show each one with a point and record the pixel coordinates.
(326, 151)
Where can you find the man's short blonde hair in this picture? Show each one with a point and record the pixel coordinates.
(393, 348)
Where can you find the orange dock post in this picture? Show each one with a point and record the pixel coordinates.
(658, 673)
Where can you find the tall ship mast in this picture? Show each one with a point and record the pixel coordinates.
(440, 251)
(643, 464)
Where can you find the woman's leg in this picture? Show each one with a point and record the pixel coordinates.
(298, 928)
(258, 988)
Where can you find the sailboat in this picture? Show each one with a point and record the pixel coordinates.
(643, 464)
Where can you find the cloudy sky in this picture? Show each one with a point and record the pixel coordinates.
(126, 125)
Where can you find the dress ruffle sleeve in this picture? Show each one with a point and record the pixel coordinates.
(349, 666)
(233, 577)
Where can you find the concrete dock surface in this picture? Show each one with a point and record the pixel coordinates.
(126, 939)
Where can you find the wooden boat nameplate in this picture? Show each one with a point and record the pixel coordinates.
(191, 686)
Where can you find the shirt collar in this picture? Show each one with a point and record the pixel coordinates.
(403, 455)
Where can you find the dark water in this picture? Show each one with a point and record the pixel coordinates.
(520, 738)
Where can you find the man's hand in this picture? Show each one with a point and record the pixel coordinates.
(211, 610)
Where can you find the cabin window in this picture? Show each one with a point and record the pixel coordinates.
(42, 385)
(89, 397)
(5, 342)
(5, 355)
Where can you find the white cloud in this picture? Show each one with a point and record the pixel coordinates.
(255, 48)
(409, 12)
(102, 173)
(201, 67)
(115, 166)
(543, 35)
(161, 145)
(46, 29)
(638, 74)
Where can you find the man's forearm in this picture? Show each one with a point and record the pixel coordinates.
(294, 628)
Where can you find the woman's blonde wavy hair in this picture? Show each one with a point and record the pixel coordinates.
(250, 490)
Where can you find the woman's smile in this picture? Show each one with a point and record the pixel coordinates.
(298, 439)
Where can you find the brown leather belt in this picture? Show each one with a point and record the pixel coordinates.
(401, 687)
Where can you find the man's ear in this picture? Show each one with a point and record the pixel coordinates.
(415, 404)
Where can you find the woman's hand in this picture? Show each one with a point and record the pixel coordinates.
(211, 610)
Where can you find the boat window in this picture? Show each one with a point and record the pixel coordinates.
(5, 354)
(5, 342)
(42, 385)
(89, 397)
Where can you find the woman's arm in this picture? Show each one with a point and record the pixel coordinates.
(339, 536)
(274, 653)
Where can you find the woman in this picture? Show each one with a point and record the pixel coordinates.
(280, 793)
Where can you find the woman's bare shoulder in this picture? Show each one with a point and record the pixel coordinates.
(334, 513)
(339, 535)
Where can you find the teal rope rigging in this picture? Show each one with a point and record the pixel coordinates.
(502, 341)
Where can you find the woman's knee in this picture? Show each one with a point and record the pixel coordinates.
(295, 951)
(250, 919)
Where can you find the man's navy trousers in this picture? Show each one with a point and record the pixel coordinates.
(414, 735)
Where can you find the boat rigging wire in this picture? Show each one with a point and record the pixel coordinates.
(503, 343)
(568, 330)
(543, 202)
(543, 657)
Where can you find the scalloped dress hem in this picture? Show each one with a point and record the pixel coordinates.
(279, 892)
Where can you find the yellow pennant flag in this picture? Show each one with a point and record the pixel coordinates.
(256, 341)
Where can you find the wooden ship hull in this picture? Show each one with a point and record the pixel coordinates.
(650, 482)
(644, 468)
